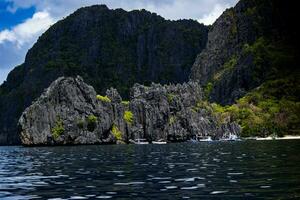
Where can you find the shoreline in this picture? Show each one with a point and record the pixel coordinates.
(287, 137)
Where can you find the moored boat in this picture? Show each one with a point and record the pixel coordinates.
(231, 137)
(208, 139)
(141, 141)
(159, 142)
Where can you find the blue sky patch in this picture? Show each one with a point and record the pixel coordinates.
(9, 19)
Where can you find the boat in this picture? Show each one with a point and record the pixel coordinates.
(159, 142)
(208, 139)
(200, 139)
(141, 141)
(231, 137)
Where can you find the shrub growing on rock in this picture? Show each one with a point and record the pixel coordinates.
(170, 97)
(125, 103)
(172, 119)
(116, 132)
(128, 117)
(103, 98)
(208, 89)
(58, 129)
(91, 122)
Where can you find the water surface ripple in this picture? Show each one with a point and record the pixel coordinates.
(215, 170)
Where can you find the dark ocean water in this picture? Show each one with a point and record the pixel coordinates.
(215, 170)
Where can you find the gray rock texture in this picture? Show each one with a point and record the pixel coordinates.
(63, 115)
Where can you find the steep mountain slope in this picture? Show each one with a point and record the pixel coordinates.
(249, 44)
(252, 53)
(107, 48)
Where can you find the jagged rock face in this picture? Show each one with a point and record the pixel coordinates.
(225, 64)
(71, 102)
(108, 48)
(62, 115)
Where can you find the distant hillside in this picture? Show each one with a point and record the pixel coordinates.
(108, 48)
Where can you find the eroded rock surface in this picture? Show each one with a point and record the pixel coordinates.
(70, 112)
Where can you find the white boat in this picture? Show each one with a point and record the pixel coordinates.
(208, 139)
(141, 141)
(159, 142)
(231, 137)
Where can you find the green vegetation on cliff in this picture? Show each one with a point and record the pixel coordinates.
(128, 116)
(271, 109)
(58, 129)
(249, 45)
(271, 59)
(227, 67)
(258, 85)
(116, 132)
(103, 98)
(91, 122)
(125, 103)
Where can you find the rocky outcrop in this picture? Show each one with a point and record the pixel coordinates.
(109, 48)
(70, 112)
(244, 49)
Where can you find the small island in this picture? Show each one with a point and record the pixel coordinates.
(70, 112)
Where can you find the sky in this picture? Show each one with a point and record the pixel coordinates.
(23, 21)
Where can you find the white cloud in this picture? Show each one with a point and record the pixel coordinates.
(211, 17)
(170, 9)
(6, 35)
(15, 42)
(28, 31)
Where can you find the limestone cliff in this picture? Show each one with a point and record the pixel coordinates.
(70, 112)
